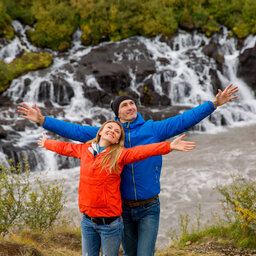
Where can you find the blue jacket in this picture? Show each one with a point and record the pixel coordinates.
(139, 181)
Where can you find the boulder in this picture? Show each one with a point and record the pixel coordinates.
(247, 67)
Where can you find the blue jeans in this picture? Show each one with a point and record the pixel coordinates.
(94, 236)
(140, 228)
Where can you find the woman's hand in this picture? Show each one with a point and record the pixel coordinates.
(33, 114)
(181, 145)
(41, 141)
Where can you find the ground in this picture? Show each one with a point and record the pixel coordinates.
(68, 244)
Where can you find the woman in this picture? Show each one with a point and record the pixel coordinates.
(102, 161)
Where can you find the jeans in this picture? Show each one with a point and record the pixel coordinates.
(94, 236)
(140, 228)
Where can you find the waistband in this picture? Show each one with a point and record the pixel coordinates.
(136, 203)
(101, 220)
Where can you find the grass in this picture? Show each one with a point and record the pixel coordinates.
(66, 241)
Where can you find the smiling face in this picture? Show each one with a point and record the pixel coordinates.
(127, 111)
(110, 134)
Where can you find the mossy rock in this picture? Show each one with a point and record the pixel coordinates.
(22, 65)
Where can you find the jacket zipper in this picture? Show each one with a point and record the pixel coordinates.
(133, 178)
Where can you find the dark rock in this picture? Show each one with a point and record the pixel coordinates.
(27, 82)
(62, 91)
(148, 83)
(112, 77)
(3, 133)
(209, 49)
(69, 68)
(112, 71)
(165, 101)
(163, 60)
(48, 104)
(165, 87)
(247, 67)
(144, 68)
(216, 84)
(44, 91)
(212, 51)
(100, 118)
(17, 154)
(97, 97)
(5, 102)
(21, 125)
(170, 41)
(161, 112)
(151, 98)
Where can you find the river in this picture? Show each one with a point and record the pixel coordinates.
(188, 178)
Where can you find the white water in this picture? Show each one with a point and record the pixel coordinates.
(187, 178)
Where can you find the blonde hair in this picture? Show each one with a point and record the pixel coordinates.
(109, 161)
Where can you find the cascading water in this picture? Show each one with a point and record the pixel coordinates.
(182, 74)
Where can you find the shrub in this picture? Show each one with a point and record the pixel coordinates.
(56, 22)
(240, 201)
(238, 223)
(14, 187)
(43, 205)
(6, 28)
(20, 10)
(21, 203)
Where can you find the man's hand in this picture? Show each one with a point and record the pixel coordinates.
(32, 114)
(225, 96)
(181, 145)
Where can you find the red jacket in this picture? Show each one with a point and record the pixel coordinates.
(99, 193)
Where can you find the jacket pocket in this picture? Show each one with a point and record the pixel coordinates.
(92, 192)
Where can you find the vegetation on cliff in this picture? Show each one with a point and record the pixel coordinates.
(54, 21)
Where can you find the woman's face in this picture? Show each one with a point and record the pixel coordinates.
(110, 134)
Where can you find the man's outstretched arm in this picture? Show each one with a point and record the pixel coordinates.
(180, 123)
(62, 128)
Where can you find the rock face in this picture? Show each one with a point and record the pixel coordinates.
(247, 67)
(112, 72)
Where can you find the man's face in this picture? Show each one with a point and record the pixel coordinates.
(127, 111)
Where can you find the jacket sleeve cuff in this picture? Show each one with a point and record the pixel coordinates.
(211, 105)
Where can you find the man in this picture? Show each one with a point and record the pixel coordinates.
(140, 184)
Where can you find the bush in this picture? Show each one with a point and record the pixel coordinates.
(56, 22)
(240, 201)
(20, 10)
(238, 224)
(14, 187)
(6, 28)
(21, 204)
(43, 205)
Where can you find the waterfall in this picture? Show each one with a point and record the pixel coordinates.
(182, 74)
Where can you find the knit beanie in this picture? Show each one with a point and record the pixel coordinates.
(115, 104)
